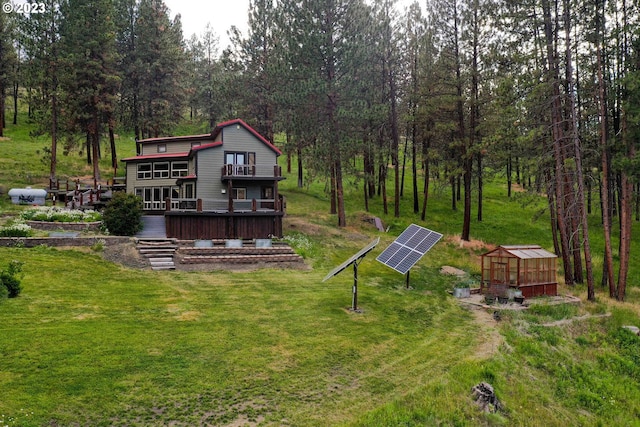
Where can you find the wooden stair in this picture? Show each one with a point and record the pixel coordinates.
(160, 252)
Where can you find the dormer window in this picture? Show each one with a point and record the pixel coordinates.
(162, 148)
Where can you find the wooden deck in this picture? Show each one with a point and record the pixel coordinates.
(223, 225)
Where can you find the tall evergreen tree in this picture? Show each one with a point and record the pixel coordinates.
(160, 62)
(39, 35)
(321, 37)
(128, 66)
(258, 58)
(91, 82)
(8, 59)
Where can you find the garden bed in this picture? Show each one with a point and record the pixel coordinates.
(67, 226)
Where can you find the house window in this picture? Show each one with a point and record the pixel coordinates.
(154, 198)
(179, 169)
(161, 170)
(267, 192)
(144, 170)
(147, 198)
(162, 148)
(189, 191)
(239, 193)
(240, 160)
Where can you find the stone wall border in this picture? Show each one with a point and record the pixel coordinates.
(67, 226)
(32, 242)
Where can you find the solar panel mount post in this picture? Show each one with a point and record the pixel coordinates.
(404, 252)
(355, 260)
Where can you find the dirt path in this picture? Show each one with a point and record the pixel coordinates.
(491, 339)
(575, 319)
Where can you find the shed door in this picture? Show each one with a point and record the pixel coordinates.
(499, 273)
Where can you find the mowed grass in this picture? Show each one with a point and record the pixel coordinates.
(92, 343)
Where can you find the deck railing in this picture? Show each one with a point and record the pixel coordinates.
(224, 205)
(264, 171)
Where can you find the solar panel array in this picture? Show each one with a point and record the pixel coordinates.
(361, 253)
(408, 248)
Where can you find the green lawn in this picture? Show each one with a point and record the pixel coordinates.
(91, 343)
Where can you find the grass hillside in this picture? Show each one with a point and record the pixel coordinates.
(93, 343)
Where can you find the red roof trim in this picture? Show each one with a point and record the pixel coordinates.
(205, 146)
(220, 126)
(157, 156)
(176, 138)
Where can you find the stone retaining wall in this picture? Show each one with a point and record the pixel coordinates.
(31, 242)
(67, 226)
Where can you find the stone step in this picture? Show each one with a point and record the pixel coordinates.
(240, 259)
(156, 251)
(160, 268)
(236, 251)
(163, 259)
(156, 247)
(159, 254)
(162, 264)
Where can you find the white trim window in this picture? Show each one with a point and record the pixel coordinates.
(162, 148)
(179, 169)
(161, 170)
(239, 193)
(189, 190)
(144, 171)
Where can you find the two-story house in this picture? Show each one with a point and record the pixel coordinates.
(218, 185)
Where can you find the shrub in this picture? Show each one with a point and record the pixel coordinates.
(11, 277)
(122, 215)
(16, 229)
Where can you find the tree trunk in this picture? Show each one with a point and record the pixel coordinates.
(88, 147)
(625, 235)
(342, 217)
(480, 186)
(300, 171)
(425, 156)
(414, 169)
(2, 120)
(333, 191)
(54, 137)
(581, 217)
(558, 138)
(395, 138)
(604, 195)
(16, 89)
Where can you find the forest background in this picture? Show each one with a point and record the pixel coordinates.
(545, 93)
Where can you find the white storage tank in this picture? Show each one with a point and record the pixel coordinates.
(27, 196)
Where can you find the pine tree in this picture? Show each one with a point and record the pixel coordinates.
(8, 59)
(91, 82)
(160, 62)
(39, 35)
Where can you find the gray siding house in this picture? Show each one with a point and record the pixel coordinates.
(218, 185)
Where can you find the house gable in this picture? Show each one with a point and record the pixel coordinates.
(227, 131)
